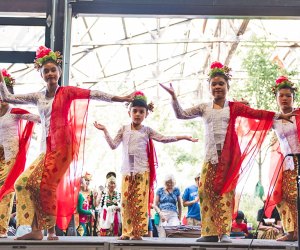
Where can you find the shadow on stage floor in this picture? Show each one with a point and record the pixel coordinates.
(111, 243)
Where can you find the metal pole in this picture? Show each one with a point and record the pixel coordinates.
(53, 21)
(67, 43)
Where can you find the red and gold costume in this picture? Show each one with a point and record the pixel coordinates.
(49, 187)
(233, 136)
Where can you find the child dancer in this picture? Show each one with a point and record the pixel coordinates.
(14, 142)
(138, 168)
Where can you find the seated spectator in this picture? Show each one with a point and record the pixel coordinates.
(191, 200)
(239, 227)
(168, 204)
(269, 230)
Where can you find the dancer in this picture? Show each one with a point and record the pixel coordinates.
(283, 189)
(48, 191)
(14, 142)
(138, 166)
(225, 153)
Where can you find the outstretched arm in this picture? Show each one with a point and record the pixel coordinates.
(245, 111)
(166, 139)
(179, 112)
(29, 117)
(17, 99)
(99, 95)
(113, 143)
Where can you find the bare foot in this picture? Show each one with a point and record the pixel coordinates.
(123, 237)
(34, 235)
(3, 235)
(287, 237)
(52, 236)
(136, 238)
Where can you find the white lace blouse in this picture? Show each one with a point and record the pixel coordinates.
(288, 138)
(135, 159)
(215, 122)
(9, 138)
(44, 105)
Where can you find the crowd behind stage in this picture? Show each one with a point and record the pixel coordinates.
(98, 213)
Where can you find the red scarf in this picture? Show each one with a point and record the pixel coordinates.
(242, 142)
(25, 134)
(60, 183)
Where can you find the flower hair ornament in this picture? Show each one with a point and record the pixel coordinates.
(218, 68)
(283, 82)
(44, 54)
(140, 100)
(9, 81)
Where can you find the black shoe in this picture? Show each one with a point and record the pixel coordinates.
(225, 239)
(208, 239)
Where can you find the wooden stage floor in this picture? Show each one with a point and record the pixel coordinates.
(111, 243)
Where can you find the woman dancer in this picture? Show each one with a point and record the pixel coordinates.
(284, 195)
(48, 191)
(225, 153)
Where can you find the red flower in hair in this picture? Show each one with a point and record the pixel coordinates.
(139, 93)
(5, 73)
(283, 82)
(281, 79)
(216, 65)
(42, 51)
(9, 81)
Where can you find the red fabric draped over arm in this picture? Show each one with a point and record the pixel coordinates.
(61, 183)
(25, 134)
(241, 144)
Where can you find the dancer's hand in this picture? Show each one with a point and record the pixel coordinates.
(128, 98)
(170, 90)
(186, 137)
(242, 101)
(190, 138)
(99, 126)
(287, 116)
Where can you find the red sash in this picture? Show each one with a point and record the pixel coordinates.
(25, 134)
